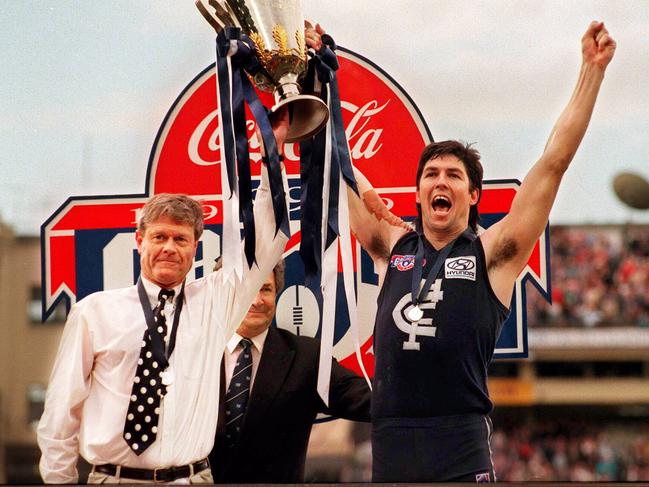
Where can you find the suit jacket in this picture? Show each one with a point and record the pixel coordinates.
(281, 409)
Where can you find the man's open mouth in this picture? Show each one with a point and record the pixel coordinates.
(441, 203)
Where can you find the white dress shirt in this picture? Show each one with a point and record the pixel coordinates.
(90, 386)
(233, 350)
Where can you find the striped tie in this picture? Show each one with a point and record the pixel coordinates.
(236, 397)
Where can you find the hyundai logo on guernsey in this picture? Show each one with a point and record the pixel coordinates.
(88, 244)
(460, 268)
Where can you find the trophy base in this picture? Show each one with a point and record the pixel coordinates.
(309, 114)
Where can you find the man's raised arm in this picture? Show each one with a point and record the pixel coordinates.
(509, 243)
(375, 227)
(269, 245)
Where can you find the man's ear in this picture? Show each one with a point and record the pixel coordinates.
(138, 240)
(475, 196)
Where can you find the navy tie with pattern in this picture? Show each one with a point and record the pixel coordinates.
(236, 398)
(141, 425)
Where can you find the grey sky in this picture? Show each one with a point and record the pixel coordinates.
(86, 85)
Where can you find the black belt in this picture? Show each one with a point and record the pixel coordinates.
(154, 475)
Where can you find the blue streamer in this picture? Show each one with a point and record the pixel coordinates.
(324, 65)
(312, 179)
(234, 120)
(274, 167)
(243, 166)
(334, 187)
(223, 77)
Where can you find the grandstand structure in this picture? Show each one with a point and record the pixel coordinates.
(577, 409)
(27, 351)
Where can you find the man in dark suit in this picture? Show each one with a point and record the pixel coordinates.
(273, 435)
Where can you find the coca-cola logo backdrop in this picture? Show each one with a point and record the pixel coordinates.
(88, 243)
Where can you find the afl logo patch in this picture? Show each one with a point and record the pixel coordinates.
(460, 268)
(403, 262)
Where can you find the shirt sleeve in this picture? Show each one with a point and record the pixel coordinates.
(269, 248)
(58, 429)
(349, 395)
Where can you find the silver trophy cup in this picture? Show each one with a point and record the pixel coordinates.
(276, 27)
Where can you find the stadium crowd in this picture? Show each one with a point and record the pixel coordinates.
(548, 450)
(572, 451)
(600, 276)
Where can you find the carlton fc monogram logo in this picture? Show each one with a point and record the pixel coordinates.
(423, 327)
(463, 267)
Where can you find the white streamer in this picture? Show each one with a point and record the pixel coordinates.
(232, 255)
(348, 274)
(328, 280)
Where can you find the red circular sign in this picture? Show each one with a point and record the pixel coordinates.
(385, 131)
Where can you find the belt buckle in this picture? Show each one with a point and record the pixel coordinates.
(155, 476)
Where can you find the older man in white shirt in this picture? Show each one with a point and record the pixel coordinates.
(102, 349)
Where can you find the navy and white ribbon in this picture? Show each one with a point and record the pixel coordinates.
(234, 56)
(325, 170)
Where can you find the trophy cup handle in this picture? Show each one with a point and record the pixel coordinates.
(218, 15)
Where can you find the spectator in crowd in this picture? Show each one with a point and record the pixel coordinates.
(572, 451)
(600, 276)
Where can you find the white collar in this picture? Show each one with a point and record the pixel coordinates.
(258, 341)
(152, 291)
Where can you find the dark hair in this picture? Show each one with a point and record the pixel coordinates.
(278, 272)
(471, 160)
(178, 207)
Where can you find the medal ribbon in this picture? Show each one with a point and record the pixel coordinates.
(417, 294)
(157, 342)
